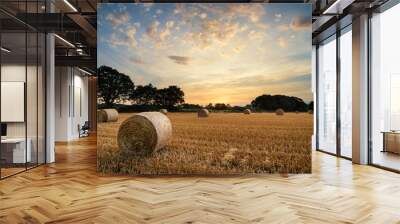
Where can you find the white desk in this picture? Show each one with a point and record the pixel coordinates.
(18, 149)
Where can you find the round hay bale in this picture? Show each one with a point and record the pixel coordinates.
(247, 111)
(202, 113)
(311, 112)
(112, 114)
(164, 111)
(279, 111)
(144, 133)
(101, 116)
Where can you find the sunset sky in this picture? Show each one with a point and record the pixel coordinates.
(217, 53)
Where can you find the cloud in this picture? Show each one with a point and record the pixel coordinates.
(300, 22)
(179, 59)
(278, 17)
(147, 6)
(158, 34)
(282, 42)
(214, 30)
(124, 37)
(151, 31)
(225, 50)
(118, 19)
(203, 15)
(252, 11)
(136, 60)
(262, 80)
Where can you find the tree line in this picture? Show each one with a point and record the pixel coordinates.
(116, 89)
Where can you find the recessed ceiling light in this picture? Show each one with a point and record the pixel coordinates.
(5, 50)
(334, 5)
(70, 5)
(64, 40)
(86, 72)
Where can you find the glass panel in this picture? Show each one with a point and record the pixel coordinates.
(327, 96)
(31, 98)
(23, 90)
(41, 98)
(385, 84)
(346, 94)
(13, 86)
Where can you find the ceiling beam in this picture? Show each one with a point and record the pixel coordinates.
(81, 61)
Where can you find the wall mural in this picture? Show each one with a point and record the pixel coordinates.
(204, 89)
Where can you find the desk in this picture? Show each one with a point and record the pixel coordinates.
(13, 150)
(391, 141)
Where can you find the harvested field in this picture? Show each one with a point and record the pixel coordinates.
(223, 143)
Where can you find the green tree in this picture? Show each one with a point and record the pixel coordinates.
(169, 97)
(113, 86)
(220, 106)
(273, 102)
(311, 106)
(144, 95)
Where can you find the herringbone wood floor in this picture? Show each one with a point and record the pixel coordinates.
(70, 191)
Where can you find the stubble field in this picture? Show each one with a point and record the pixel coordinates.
(224, 143)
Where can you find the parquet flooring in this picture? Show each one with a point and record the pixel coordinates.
(70, 191)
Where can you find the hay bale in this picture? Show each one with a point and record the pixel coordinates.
(112, 114)
(202, 113)
(101, 116)
(247, 111)
(144, 133)
(279, 111)
(164, 111)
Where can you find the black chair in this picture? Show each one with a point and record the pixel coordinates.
(84, 130)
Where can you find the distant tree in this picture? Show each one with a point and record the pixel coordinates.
(273, 102)
(311, 106)
(237, 108)
(210, 106)
(220, 106)
(113, 86)
(144, 95)
(169, 97)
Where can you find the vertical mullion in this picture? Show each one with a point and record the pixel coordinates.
(369, 89)
(316, 104)
(26, 85)
(37, 89)
(338, 96)
(45, 88)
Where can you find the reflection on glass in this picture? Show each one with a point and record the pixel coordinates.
(41, 99)
(31, 97)
(327, 97)
(13, 84)
(22, 92)
(385, 89)
(346, 94)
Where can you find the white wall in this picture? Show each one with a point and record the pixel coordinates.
(69, 112)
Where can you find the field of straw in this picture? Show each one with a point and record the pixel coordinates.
(224, 143)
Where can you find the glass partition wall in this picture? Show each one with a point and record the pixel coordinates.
(22, 77)
(327, 95)
(345, 91)
(385, 89)
(334, 84)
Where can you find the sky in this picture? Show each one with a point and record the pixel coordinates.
(217, 53)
